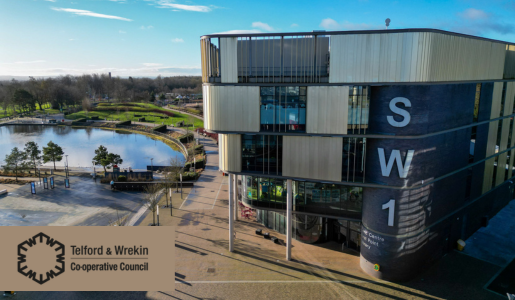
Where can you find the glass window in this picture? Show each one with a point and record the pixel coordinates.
(353, 159)
(283, 109)
(262, 154)
(359, 100)
(311, 197)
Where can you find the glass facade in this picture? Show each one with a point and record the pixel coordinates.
(283, 108)
(359, 103)
(353, 160)
(311, 197)
(262, 153)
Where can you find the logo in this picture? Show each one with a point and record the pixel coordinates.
(41, 257)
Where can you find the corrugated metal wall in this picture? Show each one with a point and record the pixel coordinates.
(510, 92)
(327, 109)
(231, 108)
(229, 146)
(313, 157)
(229, 62)
(413, 57)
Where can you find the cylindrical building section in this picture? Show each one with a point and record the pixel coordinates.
(398, 225)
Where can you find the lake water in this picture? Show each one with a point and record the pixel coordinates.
(80, 144)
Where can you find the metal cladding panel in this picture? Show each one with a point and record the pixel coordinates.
(229, 61)
(327, 109)
(230, 152)
(231, 108)
(510, 95)
(508, 110)
(509, 62)
(413, 57)
(313, 157)
(492, 136)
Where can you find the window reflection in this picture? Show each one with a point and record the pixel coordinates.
(353, 159)
(262, 153)
(312, 197)
(283, 109)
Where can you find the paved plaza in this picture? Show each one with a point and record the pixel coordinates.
(86, 203)
(205, 269)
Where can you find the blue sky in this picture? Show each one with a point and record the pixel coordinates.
(152, 37)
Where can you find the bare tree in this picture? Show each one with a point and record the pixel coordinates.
(151, 200)
(86, 105)
(172, 173)
(121, 220)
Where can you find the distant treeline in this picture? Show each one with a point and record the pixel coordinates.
(72, 90)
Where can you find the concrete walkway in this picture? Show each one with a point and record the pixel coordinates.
(207, 189)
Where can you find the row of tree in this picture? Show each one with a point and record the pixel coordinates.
(30, 157)
(21, 160)
(71, 90)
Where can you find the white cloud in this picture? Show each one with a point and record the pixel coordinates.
(474, 14)
(72, 39)
(331, 24)
(119, 1)
(24, 62)
(294, 25)
(176, 6)
(146, 27)
(263, 26)
(88, 13)
(237, 31)
(177, 40)
(122, 32)
(151, 64)
(51, 0)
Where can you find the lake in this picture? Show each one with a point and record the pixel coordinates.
(80, 144)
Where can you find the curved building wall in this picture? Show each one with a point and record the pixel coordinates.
(410, 235)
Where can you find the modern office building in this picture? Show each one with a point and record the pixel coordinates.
(394, 143)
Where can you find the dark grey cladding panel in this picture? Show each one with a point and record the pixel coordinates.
(433, 107)
(433, 157)
(415, 210)
(400, 259)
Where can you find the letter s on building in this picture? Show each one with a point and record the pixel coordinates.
(399, 111)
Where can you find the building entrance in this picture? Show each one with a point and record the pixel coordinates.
(347, 233)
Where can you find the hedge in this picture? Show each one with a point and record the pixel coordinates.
(160, 128)
(95, 118)
(188, 176)
(141, 119)
(198, 164)
(122, 178)
(81, 120)
(186, 138)
(123, 123)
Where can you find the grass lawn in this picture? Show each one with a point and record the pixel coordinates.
(122, 115)
(10, 112)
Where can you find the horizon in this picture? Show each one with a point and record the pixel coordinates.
(148, 38)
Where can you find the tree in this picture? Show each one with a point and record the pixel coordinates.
(86, 105)
(24, 99)
(16, 161)
(162, 96)
(105, 159)
(151, 200)
(172, 176)
(33, 153)
(52, 152)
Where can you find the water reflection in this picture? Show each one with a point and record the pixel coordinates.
(80, 144)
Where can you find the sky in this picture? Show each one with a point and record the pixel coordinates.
(146, 38)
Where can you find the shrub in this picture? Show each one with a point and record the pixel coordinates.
(122, 178)
(160, 128)
(141, 119)
(200, 163)
(186, 138)
(188, 176)
(123, 123)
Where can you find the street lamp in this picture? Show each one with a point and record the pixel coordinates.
(66, 167)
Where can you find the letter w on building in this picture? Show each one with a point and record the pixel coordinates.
(395, 156)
